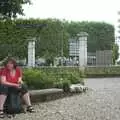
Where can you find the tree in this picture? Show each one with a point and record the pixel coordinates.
(10, 8)
(115, 52)
(101, 35)
(53, 39)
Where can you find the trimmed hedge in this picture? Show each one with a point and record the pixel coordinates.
(42, 78)
(109, 71)
(60, 77)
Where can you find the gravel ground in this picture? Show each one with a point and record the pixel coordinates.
(101, 103)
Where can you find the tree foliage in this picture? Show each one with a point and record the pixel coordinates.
(101, 35)
(10, 8)
(14, 39)
(115, 50)
(52, 40)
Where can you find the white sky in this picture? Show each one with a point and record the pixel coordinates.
(97, 10)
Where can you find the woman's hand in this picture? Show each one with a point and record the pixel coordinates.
(20, 80)
(16, 85)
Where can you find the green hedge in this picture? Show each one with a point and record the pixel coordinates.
(14, 39)
(43, 78)
(111, 71)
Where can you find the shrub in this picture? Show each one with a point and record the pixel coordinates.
(36, 79)
(52, 77)
(66, 85)
(109, 71)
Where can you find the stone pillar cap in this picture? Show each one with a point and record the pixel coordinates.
(82, 34)
(31, 39)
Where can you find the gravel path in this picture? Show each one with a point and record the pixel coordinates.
(101, 103)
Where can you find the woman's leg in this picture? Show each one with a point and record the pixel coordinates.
(3, 96)
(2, 101)
(25, 95)
(26, 98)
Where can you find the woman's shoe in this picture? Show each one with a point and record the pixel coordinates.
(30, 109)
(2, 115)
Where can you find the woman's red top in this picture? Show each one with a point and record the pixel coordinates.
(12, 79)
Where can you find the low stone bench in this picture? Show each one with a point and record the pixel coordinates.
(55, 93)
(45, 94)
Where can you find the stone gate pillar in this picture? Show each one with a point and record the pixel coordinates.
(82, 48)
(31, 52)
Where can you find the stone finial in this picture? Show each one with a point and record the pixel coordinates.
(82, 34)
(31, 39)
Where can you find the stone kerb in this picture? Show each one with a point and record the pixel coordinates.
(55, 93)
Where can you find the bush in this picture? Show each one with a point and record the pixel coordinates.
(66, 85)
(111, 71)
(37, 79)
(52, 77)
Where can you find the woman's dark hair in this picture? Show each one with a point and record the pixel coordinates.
(12, 60)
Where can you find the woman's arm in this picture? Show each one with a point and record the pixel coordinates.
(20, 80)
(3, 81)
(19, 70)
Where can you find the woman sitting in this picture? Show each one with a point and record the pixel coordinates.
(11, 77)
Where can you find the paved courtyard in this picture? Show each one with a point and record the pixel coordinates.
(101, 103)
